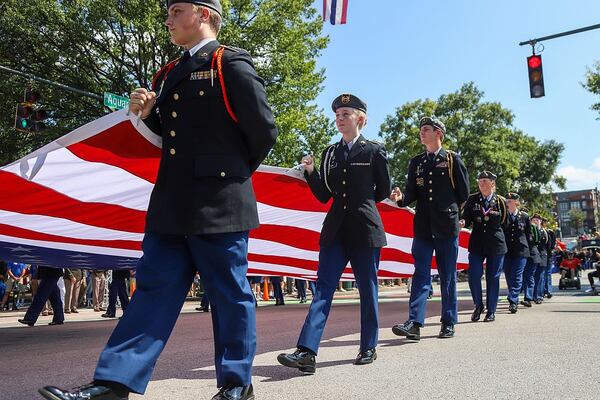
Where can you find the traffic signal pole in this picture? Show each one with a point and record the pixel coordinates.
(534, 62)
(533, 42)
(52, 83)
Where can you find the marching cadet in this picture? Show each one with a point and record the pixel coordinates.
(354, 172)
(533, 262)
(540, 271)
(210, 107)
(486, 212)
(550, 250)
(438, 181)
(517, 231)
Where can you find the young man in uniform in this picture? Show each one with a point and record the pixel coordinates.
(438, 181)
(210, 107)
(517, 231)
(486, 212)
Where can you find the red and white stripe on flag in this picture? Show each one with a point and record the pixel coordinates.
(335, 11)
(81, 201)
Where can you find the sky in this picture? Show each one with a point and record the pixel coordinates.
(394, 51)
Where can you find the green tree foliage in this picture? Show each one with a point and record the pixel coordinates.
(117, 45)
(484, 135)
(592, 83)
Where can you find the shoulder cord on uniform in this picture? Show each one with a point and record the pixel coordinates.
(217, 58)
(450, 161)
(326, 166)
(503, 211)
(163, 72)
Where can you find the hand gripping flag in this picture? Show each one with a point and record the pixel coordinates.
(335, 11)
(80, 202)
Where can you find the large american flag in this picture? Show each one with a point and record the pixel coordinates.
(81, 201)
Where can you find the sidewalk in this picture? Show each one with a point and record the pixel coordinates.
(8, 319)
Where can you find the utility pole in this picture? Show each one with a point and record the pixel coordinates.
(52, 83)
(533, 42)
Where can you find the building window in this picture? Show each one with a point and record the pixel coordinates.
(575, 204)
(563, 206)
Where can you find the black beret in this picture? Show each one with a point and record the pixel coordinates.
(536, 215)
(513, 196)
(433, 121)
(487, 175)
(212, 4)
(349, 100)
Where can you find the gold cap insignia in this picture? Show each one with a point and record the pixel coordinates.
(345, 98)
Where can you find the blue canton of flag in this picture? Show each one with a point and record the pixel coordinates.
(335, 11)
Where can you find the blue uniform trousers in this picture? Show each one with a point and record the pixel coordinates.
(332, 261)
(446, 253)
(529, 279)
(47, 290)
(548, 279)
(117, 288)
(513, 272)
(540, 277)
(301, 288)
(205, 301)
(164, 276)
(493, 270)
(277, 292)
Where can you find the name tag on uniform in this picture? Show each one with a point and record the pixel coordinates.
(442, 165)
(199, 75)
(361, 164)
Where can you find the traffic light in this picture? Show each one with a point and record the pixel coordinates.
(30, 116)
(536, 77)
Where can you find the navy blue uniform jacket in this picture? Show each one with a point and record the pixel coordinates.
(204, 181)
(356, 185)
(440, 187)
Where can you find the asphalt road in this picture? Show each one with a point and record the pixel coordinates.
(538, 353)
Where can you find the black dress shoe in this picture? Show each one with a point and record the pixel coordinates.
(26, 322)
(477, 313)
(366, 357)
(538, 301)
(410, 329)
(235, 393)
(107, 315)
(91, 391)
(300, 359)
(526, 303)
(549, 296)
(202, 309)
(513, 307)
(56, 323)
(446, 332)
(489, 317)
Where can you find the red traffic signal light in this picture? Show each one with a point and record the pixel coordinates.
(534, 61)
(536, 76)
